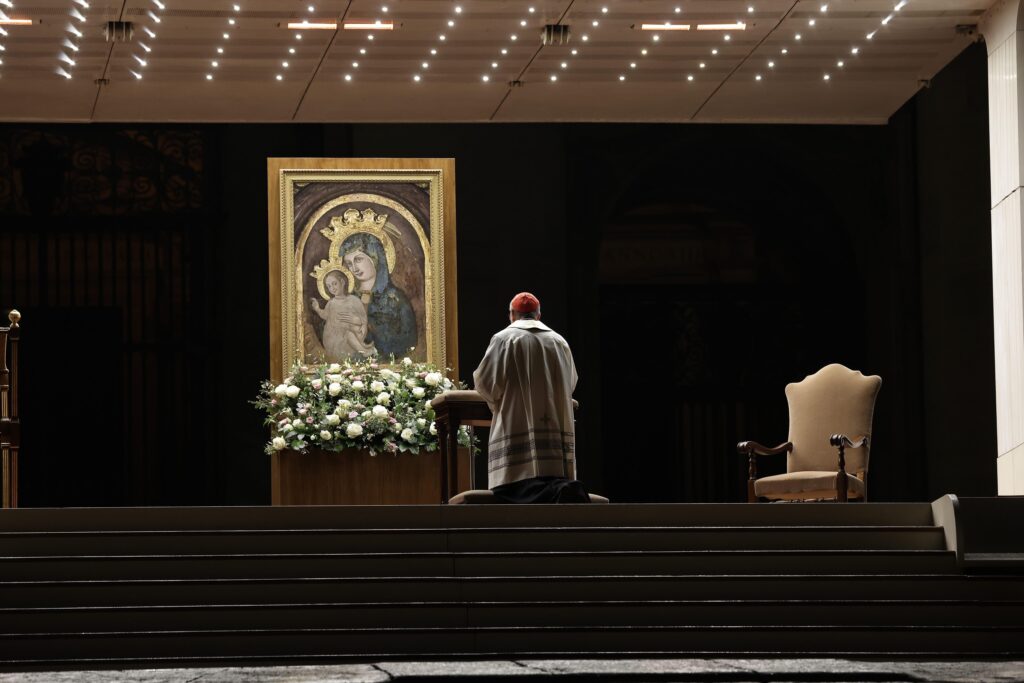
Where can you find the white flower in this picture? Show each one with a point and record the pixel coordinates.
(383, 398)
(326, 435)
(421, 422)
(278, 443)
(281, 389)
(397, 427)
(292, 391)
(433, 429)
(334, 367)
(334, 389)
(433, 378)
(316, 384)
(419, 392)
(335, 378)
(411, 383)
(353, 430)
(427, 404)
(380, 411)
(332, 419)
(366, 413)
(447, 383)
(376, 385)
(284, 423)
(407, 361)
(344, 404)
(408, 434)
(296, 424)
(358, 385)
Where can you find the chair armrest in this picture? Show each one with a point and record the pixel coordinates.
(846, 442)
(754, 448)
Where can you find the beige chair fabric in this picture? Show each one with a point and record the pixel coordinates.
(485, 497)
(834, 400)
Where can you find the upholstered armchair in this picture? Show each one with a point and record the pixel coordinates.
(829, 412)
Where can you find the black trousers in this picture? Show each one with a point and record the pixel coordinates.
(542, 490)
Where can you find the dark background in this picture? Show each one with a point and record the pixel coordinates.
(694, 269)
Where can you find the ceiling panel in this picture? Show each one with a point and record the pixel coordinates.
(478, 60)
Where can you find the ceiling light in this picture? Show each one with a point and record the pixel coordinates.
(655, 37)
(595, 23)
(348, 77)
(900, 5)
(316, 25)
(574, 51)
(604, 10)
(144, 28)
(78, 34)
(505, 51)
(458, 9)
(425, 65)
(565, 65)
(750, 10)
(209, 77)
(532, 10)
(689, 77)
(665, 26)
(8, 21)
(284, 64)
(632, 65)
(63, 73)
(78, 15)
(311, 8)
(238, 8)
(824, 8)
(854, 50)
(441, 37)
(584, 37)
(74, 48)
(714, 50)
(64, 58)
(485, 78)
(522, 22)
(727, 37)
(644, 51)
(810, 22)
(416, 78)
(159, 4)
(227, 36)
(145, 47)
(384, 9)
(152, 16)
(433, 51)
(214, 64)
(494, 65)
(231, 21)
(796, 37)
(451, 24)
(515, 37)
(220, 50)
(784, 51)
(622, 78)
(140, 60)
(137, 75)
(887, 20)
(678, 10)
(840, 64)
(702, 65)
(757, 77)
(771, 65)
(291, 51)
(83, 3)
(554, 77)
(736, 26)
(279, 77)
(826, 77)
(871, 35)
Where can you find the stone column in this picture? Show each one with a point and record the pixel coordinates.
(1004, 38)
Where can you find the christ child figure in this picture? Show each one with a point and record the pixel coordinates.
(345, 321)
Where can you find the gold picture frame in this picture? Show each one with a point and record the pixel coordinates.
(385, 229)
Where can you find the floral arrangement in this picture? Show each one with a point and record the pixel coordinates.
(358, 404)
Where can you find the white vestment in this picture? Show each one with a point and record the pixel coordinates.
(527, 377)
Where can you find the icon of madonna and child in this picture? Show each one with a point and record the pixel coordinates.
(371, 289)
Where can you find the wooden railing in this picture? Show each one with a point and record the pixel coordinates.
(10, 421)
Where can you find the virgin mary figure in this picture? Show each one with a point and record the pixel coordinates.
(391, 321)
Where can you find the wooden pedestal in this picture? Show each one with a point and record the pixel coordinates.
(356, 478)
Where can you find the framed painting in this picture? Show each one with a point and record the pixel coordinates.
(362, 261)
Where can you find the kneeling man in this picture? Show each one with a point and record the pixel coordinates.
(527, 377)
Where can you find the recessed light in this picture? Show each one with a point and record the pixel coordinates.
(137, 75)
(887, 20)
(280, 77)
(78, 16)
(63, 73)
(689, 77)
(416, 78)
(824, 8)
(425, 65)
(554, 77)
(757, 77)
(227, 36)
(900, 5)
(220, 50)
(441, 37)
(485, 78)
(565, 65)
(209, 77)
(238, 8)
(810, 22)
(532, 10)
(522, 22)
(515, 37)
(771, 65)
(369, 36)
(574, 51)
(155, 2)
(311, 8)
(870, 36)
(797, 36)
(451, 23)
(291, 50)
(355, 65)
(504, 51)
(784, 51)
(433, 51)
(68, 44)
(604, 10)
(727, 37)
(231, 21)
(632, 65)
(622, 78)
(494, 65)
(348, 77)
(854, 50)
(78, 34)
(826, 77)
(144, 28)
(215, 64)
(644, 51)
(458, 9)
(655, 37)
(678, 10)
(140, 60)
(702, 65)
(584, 37)
(284, 64)
(384, 8)
(714, 50)
(595, 23)
(840, 64)
(750, 10)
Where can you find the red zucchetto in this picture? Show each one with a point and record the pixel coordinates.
(524, 302)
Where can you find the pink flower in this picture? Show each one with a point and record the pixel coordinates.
(273, 401)
(392, 447)
(392, 420)
(309, 420)
(353, 415)
(373, 365)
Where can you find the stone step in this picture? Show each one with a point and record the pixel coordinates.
(90, 593)
(22, 650)
(478, 564)
(962, 613)
(509, 539)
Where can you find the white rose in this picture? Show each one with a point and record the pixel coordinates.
(419, 392)
(296, 424)
(427, 404)
(396, 428)
(376, 385)
(408, 434)
(380, 411)
(447, 383)
(292, 391)
(365, 413)
(334, 367)
(407, 361)
(411, 383)
(344, 404)
(334, 389)
(353, 430)
(317, 384)
(421, 422)
(326, 435)
(358, 385)
(281, 389)
(383, 398)
(433, 378)
(334, 378)
(279, 443)
(332, 419)
(433, 429)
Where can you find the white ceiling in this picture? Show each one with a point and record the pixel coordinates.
(916, 43)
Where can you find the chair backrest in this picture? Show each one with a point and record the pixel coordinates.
(834, 400)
